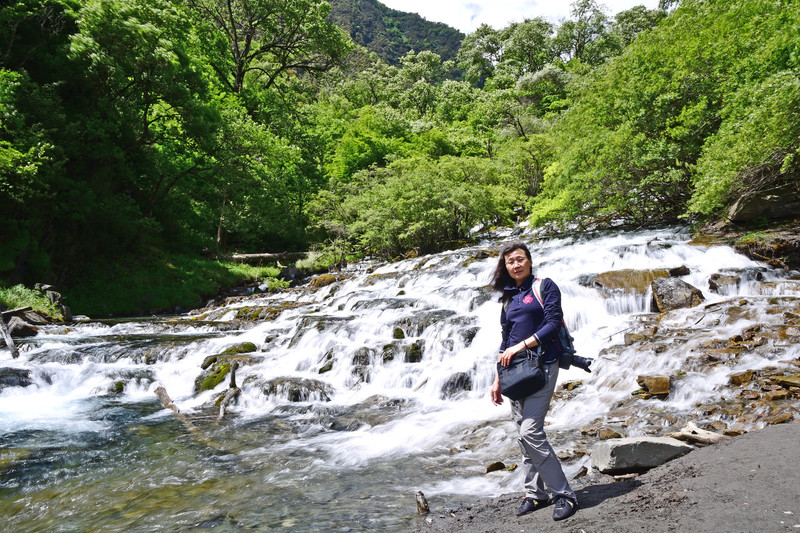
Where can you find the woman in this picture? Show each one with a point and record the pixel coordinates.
(528, 324)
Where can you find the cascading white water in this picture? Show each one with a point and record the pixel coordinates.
(393, 424)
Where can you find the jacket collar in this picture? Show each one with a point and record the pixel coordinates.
(523, 287)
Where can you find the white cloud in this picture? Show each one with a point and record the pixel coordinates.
(466, 15)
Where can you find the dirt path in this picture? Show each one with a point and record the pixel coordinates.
(746, 484)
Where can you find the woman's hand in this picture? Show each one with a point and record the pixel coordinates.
(494, 392)
(507, 355)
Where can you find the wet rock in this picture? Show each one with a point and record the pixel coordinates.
(776, 395)
(327, 365)
(18, 328)
(414, 352)
(209, 381)
(674, 293)
(780, 418)
(383, 303)
(682, 270)
(413, 326)
(723, 283)
(245, 347)
(362, 357)
(14, 377)
(459, 382)
(468, 335)
(36, 318)
(208, 361)
(636, 454)
(629, 280)
(740, 378)
(496, 466)
(571, 385)
(294, 389)
(608, 433)
(655, 385)
(787, 381)
(322, 280)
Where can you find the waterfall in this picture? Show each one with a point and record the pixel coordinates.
(394, 361)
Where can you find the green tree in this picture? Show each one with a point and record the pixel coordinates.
(479, 52)
(266, 40)
(585, 36)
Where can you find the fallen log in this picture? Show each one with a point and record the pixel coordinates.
(166, 401)
(19, 311)
(7, 337)
(266, 258)
(694, 435)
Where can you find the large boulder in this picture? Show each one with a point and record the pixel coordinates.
(14, 377)
(457, 383)
(674, 293)
(783, 204)
(629, 280)
(636, 454)
(18, 328)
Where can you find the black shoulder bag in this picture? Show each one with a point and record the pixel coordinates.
(524, 375)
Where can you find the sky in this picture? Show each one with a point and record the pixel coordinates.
(467, 15)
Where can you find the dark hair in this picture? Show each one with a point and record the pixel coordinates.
(501, 278)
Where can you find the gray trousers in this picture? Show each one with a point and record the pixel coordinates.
(542, 467)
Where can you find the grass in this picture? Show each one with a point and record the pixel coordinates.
(161, 284)
(20, 296)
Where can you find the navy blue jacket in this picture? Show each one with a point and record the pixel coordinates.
(524, 316)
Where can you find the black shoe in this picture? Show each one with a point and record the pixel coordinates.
(565, 508)
(529, 505)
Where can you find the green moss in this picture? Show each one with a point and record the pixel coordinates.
(245, 347)
(398, 333)
(216, 378)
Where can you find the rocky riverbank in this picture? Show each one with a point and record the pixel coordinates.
(743, 484)
(777, 245)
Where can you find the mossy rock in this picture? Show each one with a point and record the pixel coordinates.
(414, 352)
(245, 347)
(328, 366)
(398, 333)
(216, 377)
(323, 280)
(118, 387)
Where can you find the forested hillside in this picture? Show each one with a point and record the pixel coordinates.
(139, 133)
(391, 33)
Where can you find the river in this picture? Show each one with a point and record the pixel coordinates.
(394, 362)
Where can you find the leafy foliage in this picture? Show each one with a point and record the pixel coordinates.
(139, 135)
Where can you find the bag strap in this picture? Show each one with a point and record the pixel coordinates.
(537, 291)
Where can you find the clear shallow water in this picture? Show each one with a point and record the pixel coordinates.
(74, 457)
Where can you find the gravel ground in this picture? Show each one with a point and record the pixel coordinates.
(745, 484)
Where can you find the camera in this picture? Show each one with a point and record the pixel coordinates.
(567, 360)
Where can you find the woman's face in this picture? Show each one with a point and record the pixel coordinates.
(518, 266)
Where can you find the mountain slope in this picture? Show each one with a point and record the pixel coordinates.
(391, 33)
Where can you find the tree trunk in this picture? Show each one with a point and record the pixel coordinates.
(266, 257)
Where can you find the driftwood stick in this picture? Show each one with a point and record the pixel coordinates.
(693, 434)
(7, 337)
(166, 401)
(227, 399)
